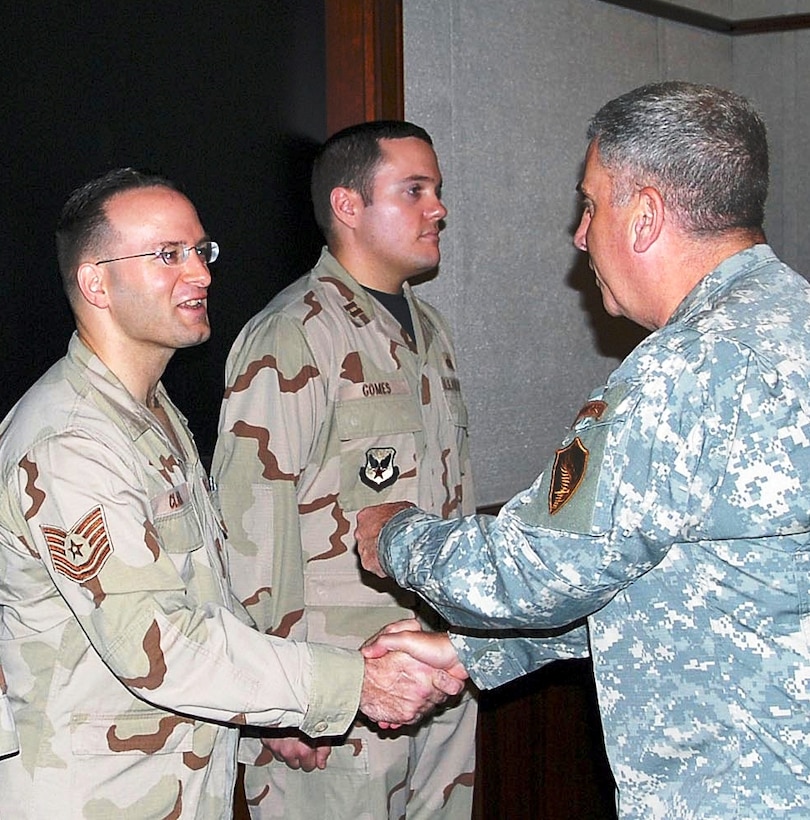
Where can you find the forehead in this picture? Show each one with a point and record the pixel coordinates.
(408, 157)
(596, 179)
(148, 211)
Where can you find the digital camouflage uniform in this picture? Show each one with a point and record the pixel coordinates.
(676, 517)
(117, 637)
(329, 408)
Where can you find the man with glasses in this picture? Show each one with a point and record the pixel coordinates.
(343, 392)
(127, 664)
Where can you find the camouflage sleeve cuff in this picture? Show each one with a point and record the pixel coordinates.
(334, 695)
(395, 564)
(486, 662)
(493, 661)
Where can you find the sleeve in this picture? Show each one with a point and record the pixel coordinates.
(270, 416)
(127, 584)
(9, 741)
(638, 471)
(493, 661)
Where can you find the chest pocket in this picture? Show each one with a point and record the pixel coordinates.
(135, 733)
(176, 521)
(379, 441)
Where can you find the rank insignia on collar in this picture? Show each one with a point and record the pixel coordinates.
(592, 410)
(379, 471)
(567, 474)
(80, 553)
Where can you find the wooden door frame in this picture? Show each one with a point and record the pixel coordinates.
(364, 74)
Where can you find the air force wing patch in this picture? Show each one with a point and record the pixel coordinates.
(567, 474)
(80, 553)
(379, 471)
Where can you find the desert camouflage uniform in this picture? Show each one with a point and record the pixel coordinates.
(328, 409)
(125, 666)
(9, 742)
(676, 516)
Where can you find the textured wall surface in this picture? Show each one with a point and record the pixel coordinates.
(506, 90)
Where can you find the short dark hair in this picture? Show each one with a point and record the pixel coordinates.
(83, 224)
(349, 159)
(704, 148)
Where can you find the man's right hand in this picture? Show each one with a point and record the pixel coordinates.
(399, 689)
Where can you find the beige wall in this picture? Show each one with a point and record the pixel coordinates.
(506, 89)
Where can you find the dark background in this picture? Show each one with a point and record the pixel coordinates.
(227, 99)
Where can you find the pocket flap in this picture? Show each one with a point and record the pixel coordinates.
(139, 733)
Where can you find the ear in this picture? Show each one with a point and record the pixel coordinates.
(649, 219)
(92, 284)
(346, 204)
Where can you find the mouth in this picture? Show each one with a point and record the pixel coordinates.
(193, 304)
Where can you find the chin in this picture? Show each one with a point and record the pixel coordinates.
(201, 337)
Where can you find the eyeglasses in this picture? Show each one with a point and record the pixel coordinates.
(176, 254)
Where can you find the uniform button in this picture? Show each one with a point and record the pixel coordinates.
(322, 726)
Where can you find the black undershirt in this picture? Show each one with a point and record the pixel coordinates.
(397, 305)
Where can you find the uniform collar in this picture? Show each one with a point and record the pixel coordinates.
(366, 301)
(111, 396)
(721, 278)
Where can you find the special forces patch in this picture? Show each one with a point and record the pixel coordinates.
(80, 553)
(567, 474)
(379, 471)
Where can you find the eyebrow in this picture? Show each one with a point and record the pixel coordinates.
(421, 178)
(205, 238)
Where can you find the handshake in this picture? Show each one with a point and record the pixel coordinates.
(407, 672)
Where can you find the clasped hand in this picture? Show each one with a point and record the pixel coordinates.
(408, 673)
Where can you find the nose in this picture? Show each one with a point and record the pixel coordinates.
(196, 270)
(436, 209)
(581, 234)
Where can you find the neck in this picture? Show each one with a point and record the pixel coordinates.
(368, 272)
(139, 370)
(693, 260)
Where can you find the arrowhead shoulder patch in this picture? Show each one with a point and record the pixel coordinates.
(569, 469)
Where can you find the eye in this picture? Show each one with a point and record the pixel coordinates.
(170, 255)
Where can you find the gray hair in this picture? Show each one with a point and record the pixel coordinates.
(704, 148)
